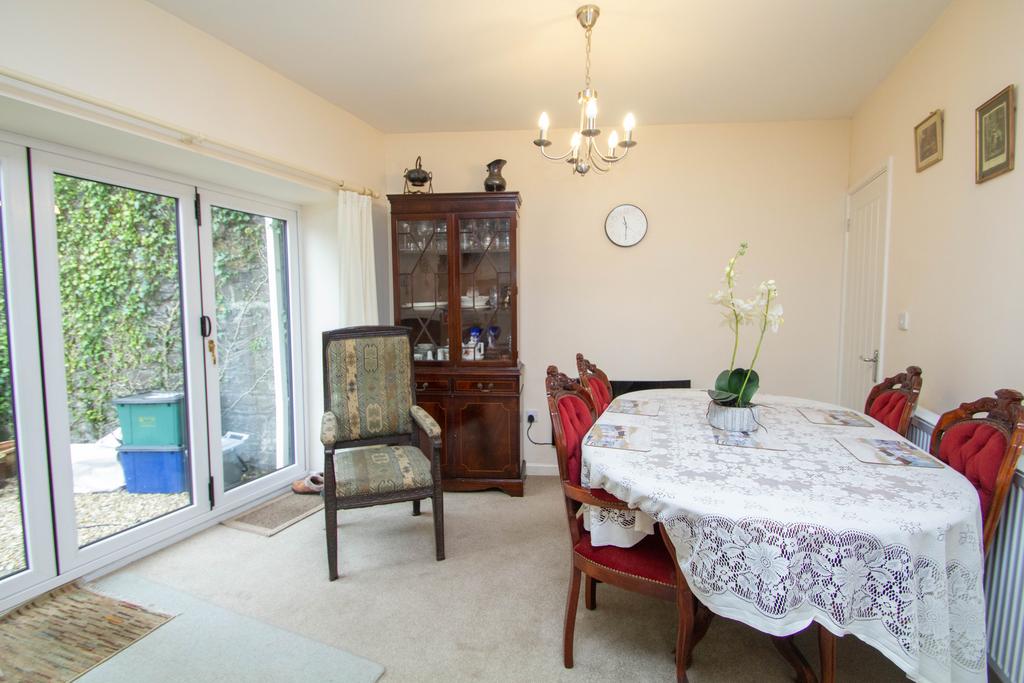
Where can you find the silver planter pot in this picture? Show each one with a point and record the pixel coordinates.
(733, 419)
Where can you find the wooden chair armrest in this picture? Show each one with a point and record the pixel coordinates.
(583, 495)
(329, 429)
(427, 425)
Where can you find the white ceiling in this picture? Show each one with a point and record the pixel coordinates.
(455, 65)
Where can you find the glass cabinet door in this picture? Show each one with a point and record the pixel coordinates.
(485, 289)
(422, 291)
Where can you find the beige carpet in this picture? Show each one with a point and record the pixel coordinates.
(61, 635)
(492, 611)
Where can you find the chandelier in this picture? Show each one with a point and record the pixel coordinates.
(583, 153)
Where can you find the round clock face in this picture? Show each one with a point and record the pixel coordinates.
(626, 225)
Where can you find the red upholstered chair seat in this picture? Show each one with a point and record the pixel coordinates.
(975, 449)
(648, 559)
(887, 408)
(576, 422)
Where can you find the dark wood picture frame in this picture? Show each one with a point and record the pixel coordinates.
(928, 137)
(995, 124)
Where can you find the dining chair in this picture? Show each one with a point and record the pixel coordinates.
(892, 402)
(595, 382)
(981, 440)
(370, 429)
(647, 568)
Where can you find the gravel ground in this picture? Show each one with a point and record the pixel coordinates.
(12, 550)
(99, 515)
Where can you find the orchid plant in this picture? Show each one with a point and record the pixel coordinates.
(737, 386)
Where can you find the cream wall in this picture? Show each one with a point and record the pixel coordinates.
(134, 55)
(642, 313)
(957, 247)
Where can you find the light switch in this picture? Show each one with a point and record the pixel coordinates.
(903, 320)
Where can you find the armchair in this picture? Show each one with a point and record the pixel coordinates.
(368, 429)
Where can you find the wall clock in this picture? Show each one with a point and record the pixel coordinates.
(625, 225)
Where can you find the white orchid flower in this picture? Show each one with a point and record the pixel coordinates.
(774, 316)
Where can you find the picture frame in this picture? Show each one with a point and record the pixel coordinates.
(995, 125)
(928, 139)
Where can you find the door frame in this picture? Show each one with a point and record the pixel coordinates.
(43, 166)
(26, 376)
(209, 197)
(887, 170)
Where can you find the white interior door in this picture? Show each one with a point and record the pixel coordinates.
(118, 284)
(865, 266)
(253, 361)
(26, 539)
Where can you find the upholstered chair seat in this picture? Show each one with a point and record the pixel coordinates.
(648, 559)
(380, 469)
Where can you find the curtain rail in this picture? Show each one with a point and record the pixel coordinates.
(28, 88)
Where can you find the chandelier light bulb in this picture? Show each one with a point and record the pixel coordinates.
(613, 140)
(629, 123)
(544, 122)
(574, 142)
(592, 109)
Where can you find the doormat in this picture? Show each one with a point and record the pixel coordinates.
(278, 514)
(65, 633)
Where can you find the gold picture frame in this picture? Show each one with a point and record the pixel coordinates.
(928, 141)
(995, 125)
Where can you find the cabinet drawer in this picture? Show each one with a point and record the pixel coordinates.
(486, 385)
(431, 385)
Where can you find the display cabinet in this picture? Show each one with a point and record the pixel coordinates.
(454, 280)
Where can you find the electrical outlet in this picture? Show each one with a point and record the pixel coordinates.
(531, 416)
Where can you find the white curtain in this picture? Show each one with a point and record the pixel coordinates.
(357, 274)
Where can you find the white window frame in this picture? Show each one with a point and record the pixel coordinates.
(43, 167)
(26, 376)
(210, 197)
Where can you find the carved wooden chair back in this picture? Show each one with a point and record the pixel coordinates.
(595, 381)
(892, 402)
(572, 414)
(983, 440)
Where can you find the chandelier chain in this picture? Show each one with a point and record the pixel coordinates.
(589, 31)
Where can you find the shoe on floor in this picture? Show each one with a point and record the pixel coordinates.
(314, 483)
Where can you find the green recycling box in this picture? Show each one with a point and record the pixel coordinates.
(155, 418)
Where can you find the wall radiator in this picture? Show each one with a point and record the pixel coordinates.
(1004, 572)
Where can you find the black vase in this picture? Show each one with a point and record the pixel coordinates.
(494, 182)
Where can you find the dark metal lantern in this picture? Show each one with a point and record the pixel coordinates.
(417, 177)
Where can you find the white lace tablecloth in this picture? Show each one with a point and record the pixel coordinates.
(778, 539)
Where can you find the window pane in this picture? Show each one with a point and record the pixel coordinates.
(250, 266)
(123, 351)
(12, 529)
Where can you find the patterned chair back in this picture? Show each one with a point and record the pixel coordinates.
(368, 381)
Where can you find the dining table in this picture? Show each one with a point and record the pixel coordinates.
(791, 524)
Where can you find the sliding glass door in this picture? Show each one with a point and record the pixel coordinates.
(150, 369)
(26, 536)
(123, 355)
(248, 256)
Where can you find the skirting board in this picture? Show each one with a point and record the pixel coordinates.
(542, 469)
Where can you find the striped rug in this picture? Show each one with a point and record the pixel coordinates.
(61, 635)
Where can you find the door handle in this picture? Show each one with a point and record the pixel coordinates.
(872, 359)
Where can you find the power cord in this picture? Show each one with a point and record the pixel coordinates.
(530, 419)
